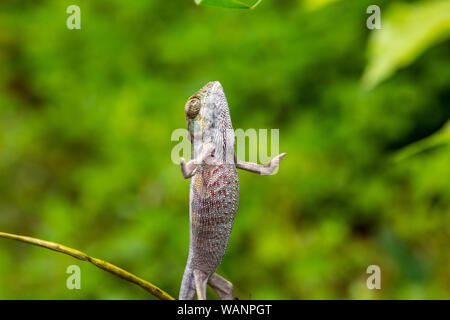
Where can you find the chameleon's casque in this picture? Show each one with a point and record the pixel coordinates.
(214, 189)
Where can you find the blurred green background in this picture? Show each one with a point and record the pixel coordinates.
(86, 118)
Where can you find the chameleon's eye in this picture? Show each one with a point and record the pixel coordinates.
(192, 108)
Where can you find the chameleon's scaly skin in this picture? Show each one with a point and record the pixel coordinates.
(214, 202)
(214, 189)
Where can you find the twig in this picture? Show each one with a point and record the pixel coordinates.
(119, 272)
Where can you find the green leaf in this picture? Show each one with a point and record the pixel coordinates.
(236, 4)
(437, 139)
(407, 31)
(316, 4)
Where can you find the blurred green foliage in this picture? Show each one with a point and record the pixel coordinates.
(227, 4)
(86, 118)
(408, 30)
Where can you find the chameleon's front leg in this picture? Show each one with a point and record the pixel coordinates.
(188, 169)
(266, 169)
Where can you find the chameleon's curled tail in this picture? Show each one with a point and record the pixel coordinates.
(187, 290)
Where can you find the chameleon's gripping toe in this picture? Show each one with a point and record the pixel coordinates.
(194, 281)
(221, 286)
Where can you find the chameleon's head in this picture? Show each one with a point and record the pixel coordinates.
(208, 117)
(207, 109)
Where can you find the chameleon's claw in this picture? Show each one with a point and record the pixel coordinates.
(223, 287)
(265, 170)
(274, 163)
(187, 169)
(201, 279)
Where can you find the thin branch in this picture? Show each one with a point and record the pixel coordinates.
(104, 265)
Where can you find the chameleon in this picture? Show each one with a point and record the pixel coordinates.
(213, 191)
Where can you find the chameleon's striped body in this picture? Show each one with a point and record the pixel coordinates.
(214, 202)
(214, 189)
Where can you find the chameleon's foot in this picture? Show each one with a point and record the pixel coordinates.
(274, 163)
(266, 169)
(201, 278)
(221, 286)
